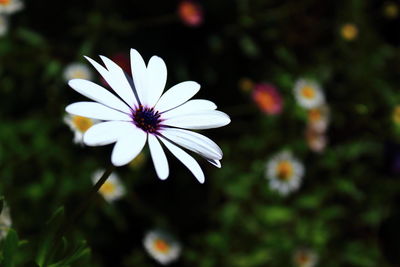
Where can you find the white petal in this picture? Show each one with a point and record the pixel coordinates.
(139, 75)
(214, 162)
(156, 80)
(192, 106)
(159, 159)
(128, 146)
(98, 94)
(177, 95)
(105, 133)
(96, 111)
(186, 159)
(201, 120)
(119, 82)
(194, 141)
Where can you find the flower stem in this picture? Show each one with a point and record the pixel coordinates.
(66, 226)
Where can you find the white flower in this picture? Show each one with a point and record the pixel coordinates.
(10, 6)
(77, 71)
(3, 25)
(5, 221)
(162, 246)
(284, 173)
(318, 118)
(316, 140)
(305, 258)
(308, 93)
(141, 112)
(112, 189)
(79, 125)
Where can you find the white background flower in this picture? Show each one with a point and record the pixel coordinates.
(142, 112)
(162, 246)
(77, 71)
(3, 25)
(5, 221)
(79, 125)
(288, 181)
(10, 6)
(305, 258)
(112, 189)
(308, 93)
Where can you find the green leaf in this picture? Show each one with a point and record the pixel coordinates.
(77, 254)
(10, 249)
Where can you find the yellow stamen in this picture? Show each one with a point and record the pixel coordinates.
(78, 74)
(82, 123)
(107, 188)
(284, 170)
(5, 2)
(308, 92)
(161, 246)
(349, 31)
(396, 115)
(314, 115)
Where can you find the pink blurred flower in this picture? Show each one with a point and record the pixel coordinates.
(267, 98)
(191, 13)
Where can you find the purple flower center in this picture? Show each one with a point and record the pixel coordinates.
(146, 119)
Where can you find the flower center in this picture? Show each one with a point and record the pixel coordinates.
(314, 115)
(4, 2)
(308, 92)
(161, 246)
(146, 119)
(81, 123)
(107, 188)
(284, 170)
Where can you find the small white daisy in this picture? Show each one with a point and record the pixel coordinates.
(142, 112)
(112, 189)
(284, 173)
(10, 6)
(318, 118)
(5, 221)
(308, 93)
(79, 125)
(316, 140)
(305, 258)
(77, 71)
(3, 25)
(162, 246)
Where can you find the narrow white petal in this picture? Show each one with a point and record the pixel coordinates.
(139, 75)
(97, 111)
(194, 141)
(105, 133)
(177, 95)
(156, 80)
(98, 94)
(192, 106)
(214, 162)
(186, 159)
(159, 159)
(201, 120)
(118, 81)
(128, 146)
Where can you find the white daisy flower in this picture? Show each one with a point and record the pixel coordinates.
(112, 189)
(305, 258)
(10, 6)
(316, 140)
(141, 112)
(162, 247)
(284, 173)
(308, 93)
(318, 118)
(79, 125)
(77, 71)
(5, 221)
(3, 25)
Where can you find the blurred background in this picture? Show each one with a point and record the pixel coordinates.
(252, 58)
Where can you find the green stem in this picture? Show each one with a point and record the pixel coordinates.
(65, 227)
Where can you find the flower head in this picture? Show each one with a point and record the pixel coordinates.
(162, 246)
(142, 112)
(10, 6)
(3, 25)
(190, 12)
(316, 140)
(246, 84)
(5, 221)
(318, 118)
(284, 173)
(308, 93)
(79, 125)
(112, 189)
(77, 71)
(396, 115)
(267, 98)
(349, 31)
(305, 258)
(390, 10)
